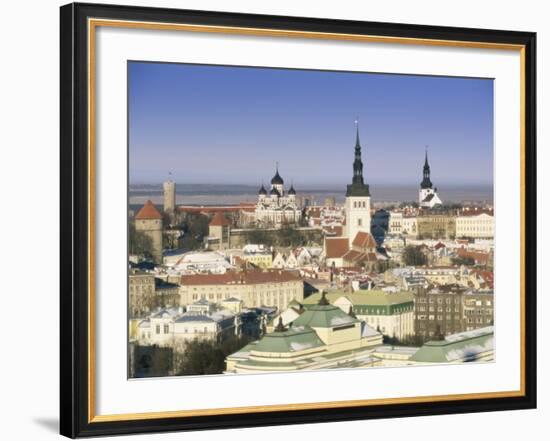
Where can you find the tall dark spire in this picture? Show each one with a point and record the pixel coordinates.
(357, 143)
(426, 182)
(358, 186)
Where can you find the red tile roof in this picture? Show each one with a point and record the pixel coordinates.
(364, 240)
(219, 220)
(148, 211)
(357, 257)
(476, 211)
(241, 278)
(336, 247)
(487, 276)
(243, 206)
(335, 230)
(479, 257)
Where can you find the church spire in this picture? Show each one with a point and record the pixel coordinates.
(358, 163)
(358, 186)
(357, 143)
(426, 182)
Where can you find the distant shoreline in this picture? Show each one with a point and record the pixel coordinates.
(232, 194)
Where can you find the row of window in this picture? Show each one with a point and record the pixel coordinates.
(439, 309)
(166, 330)
(448, 300)
(448, 317)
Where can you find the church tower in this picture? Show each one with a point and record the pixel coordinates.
(427, 195)
(357, 197)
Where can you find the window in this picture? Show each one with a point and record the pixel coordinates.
(359, 222)
(157, 329)
(166, 329)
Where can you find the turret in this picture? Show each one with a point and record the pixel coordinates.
(148, 221)
(262, 193)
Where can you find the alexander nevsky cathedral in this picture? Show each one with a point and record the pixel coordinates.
(276, 207)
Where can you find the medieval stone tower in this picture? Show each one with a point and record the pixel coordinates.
(169, 197)
(357, 197)
(149, 221)
(219, 229)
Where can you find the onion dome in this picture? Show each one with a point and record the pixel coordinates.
(274, 191)
(292, 191)
(277, 180)
(262, 190)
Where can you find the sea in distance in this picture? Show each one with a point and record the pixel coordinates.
(233, 194)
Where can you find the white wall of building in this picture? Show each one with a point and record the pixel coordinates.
(357, 216)
(478, 226)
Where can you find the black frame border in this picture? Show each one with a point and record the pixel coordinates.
(74, 220)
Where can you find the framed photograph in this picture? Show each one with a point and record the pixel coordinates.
(276, 220)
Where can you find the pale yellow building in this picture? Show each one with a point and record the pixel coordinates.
(390, 313)
(141, 293)
(261, 259)
(477, 226)
(322, 337)
(254, 288)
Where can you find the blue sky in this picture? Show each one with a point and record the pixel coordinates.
(217, 124)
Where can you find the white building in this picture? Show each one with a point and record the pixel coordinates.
(278, 207)
(172, 327)
(427, 195)
(197, 262)
(475, 225)
(400, 223)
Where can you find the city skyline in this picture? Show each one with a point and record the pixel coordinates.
(301, 118)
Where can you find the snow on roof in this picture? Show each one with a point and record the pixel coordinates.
(367, 331)
(469, 334)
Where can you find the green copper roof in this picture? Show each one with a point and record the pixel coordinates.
(465, 346)
(357, 190)
(370, 302)
(365, 297)
(294, 339)
(323, 316)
